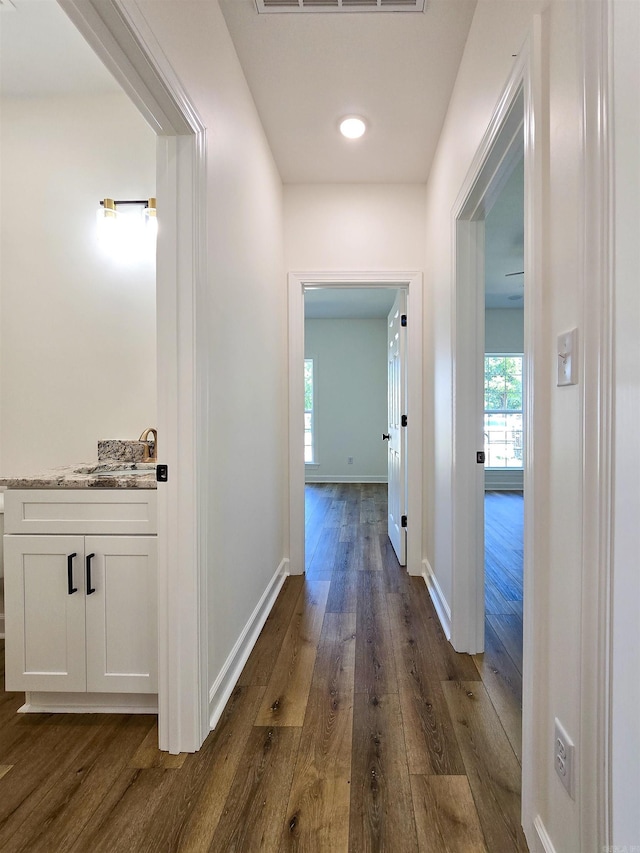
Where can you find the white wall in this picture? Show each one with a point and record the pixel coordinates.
(78, 330)
(350, 378)
(331, 227)
(497, 33)
(504, 330)
(247, 321)
(626, 577)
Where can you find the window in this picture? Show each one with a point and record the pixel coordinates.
(309, 444)
(503, 411)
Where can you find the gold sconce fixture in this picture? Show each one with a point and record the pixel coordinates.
(126, 234)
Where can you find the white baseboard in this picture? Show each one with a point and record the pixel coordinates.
(223, 686)
(509, 480)
(344, 478)
(40, 702)
(546, 846)
(437, 597)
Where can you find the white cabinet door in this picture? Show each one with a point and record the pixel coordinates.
(122, 635)
(45, 613)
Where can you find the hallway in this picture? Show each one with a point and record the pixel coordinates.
(354, 726)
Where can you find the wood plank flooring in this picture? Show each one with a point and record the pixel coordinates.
(501, 664)
(354, 727)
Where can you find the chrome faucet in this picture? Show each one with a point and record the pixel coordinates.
(147, 457)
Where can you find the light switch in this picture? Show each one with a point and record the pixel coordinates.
(568, 358)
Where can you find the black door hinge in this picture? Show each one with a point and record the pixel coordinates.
(403, 521)
(403, 320)
(480, 457)
(162, 473)
(403, 420)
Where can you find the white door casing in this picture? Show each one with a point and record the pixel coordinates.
(396, 437)
(412, 284)
(483, 179)
(501, 151)
(118, 33)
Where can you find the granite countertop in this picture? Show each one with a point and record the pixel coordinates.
(106, 474)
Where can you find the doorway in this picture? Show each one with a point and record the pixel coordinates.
(298, 285)
(355, 368)
(477, 198)
(120, 37)
(513, 134)
(503, 418)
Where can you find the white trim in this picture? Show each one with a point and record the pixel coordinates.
(437, 597)
(118, 32)
(489, 171)
(543, 836)
(503, 479)
(412, 281)
(597, 400)
(310, 477)
(495, 159)
(228, 676)
(536, 435)
(38, 702)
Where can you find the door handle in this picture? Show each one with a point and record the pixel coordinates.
(386, 437)
(70, 587)
(90, 588)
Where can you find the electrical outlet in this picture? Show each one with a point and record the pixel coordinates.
(349, 460)
(563, 756)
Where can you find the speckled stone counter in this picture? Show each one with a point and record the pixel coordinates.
(107, 474)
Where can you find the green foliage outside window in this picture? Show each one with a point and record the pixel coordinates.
(502, 383)
(308, 385)
(309, 452)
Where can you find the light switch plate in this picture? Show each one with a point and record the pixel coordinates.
(568, 358)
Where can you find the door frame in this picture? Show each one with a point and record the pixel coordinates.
(487, 174)
(120, 36)
(501, 150)
(412, 282)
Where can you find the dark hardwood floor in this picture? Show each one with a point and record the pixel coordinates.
(501, 664)
(354, 727)
(504, 521)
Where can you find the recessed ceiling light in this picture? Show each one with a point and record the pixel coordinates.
(352, 127)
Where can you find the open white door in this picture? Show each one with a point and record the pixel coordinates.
(396, 435)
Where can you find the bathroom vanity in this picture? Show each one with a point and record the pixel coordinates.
(81, 590)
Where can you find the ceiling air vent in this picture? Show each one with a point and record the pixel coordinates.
(341, 5)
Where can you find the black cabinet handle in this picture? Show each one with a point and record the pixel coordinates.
(90, 588)
(70, 587)
(385, 437)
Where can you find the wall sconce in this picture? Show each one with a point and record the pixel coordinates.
(129, 234)
(151, 217)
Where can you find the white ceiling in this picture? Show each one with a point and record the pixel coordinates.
(307, 70)
(504, 245)
(362, 303)
(43, 54)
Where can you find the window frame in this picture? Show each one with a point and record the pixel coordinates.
(519, 411)
(314, 448)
